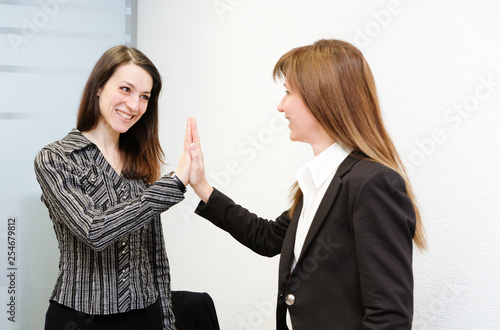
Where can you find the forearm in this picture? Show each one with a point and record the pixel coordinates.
(263, 236)
(85, 207)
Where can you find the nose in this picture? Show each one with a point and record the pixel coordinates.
(280, 106)
(133, 103)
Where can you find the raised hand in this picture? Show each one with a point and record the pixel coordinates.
(198, 180)
(184, 167)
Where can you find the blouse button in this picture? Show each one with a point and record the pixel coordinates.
(123, 280)
(123, 252)
(124, 243)
(123, 271)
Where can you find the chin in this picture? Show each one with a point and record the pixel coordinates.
(294, 138)
(122, 128)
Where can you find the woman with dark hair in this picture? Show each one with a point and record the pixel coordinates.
(346, 241)
(103, 188)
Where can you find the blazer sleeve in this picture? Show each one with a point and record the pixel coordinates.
(384, 225)
(264, 237)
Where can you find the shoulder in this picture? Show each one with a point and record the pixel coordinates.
(365, 173)
(367, 167)
(61, 149)
(73, 141)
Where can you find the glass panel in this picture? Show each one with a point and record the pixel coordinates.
(48, 49)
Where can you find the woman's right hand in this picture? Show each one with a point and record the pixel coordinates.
(184, 166)
(197, 178)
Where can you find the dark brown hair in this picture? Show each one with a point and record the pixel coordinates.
(140, 145)
(337, 86)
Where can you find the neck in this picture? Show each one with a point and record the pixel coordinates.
(321, 145)
(319, 140)
(106, 139)
(108, 143)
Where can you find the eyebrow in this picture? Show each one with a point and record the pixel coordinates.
(134, 87)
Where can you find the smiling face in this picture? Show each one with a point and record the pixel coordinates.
(303, 125)
(124, 98)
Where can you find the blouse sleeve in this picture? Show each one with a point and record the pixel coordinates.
(68, 203)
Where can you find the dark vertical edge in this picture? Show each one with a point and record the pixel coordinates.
(132, 22)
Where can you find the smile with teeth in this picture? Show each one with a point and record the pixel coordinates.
(123, 115)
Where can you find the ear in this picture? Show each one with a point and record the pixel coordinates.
(99, 91)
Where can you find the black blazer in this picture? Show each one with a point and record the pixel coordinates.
(355, 269)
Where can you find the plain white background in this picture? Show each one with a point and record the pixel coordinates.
(437, 69)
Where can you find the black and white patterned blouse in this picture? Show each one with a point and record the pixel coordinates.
(110, 237)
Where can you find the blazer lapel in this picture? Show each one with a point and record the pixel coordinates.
(327, 202)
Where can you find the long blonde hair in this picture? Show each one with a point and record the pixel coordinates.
(337, 86)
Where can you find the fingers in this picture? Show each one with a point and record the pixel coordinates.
(198, 180)
(188, 139)
(196, 155)
(194, 132)
(197, 164)
(184, 166)
(195, 147)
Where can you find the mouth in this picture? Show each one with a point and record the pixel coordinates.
(124, 115)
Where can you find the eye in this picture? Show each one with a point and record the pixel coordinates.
(287, 92)
(125, 89)
(145, 97)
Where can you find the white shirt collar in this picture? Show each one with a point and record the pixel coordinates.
(322, 166)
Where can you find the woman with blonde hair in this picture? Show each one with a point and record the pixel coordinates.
(346, 241)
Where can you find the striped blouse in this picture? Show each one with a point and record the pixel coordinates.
(112, 251)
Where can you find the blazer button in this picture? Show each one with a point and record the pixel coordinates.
(290, 299)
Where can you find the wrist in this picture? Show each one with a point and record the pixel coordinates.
(180, 184)
(203, 190)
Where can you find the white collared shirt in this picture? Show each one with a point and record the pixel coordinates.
(313, 179)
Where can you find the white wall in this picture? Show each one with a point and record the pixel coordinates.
(437, 68)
